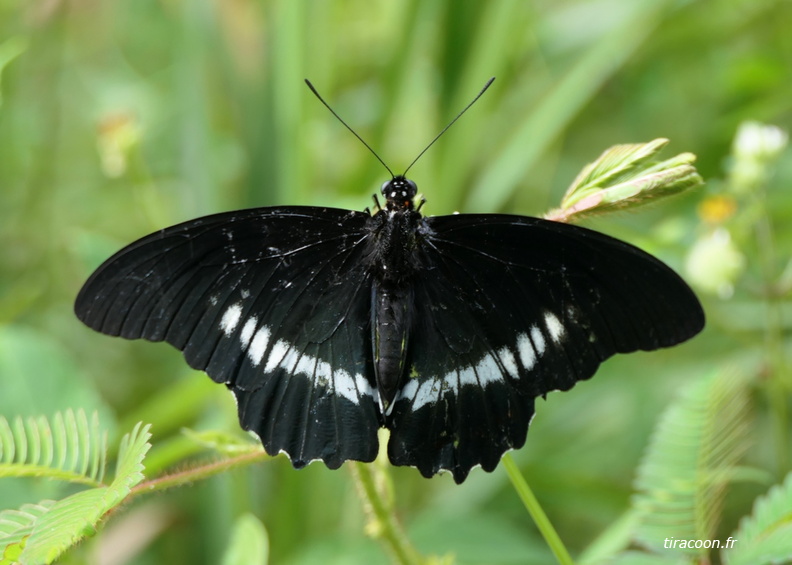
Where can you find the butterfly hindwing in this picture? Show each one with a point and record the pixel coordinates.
(274, 303)
(509, 308)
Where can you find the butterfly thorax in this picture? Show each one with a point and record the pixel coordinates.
(397, 232)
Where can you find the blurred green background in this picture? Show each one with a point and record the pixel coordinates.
(120, 118)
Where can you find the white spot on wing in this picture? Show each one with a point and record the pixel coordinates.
(488, 371)
(259, 344)
(507, 359)
(538, 340)
(409, 389)
(230, 318)
(554, 327)
(427, 393)
(467, 376)
(526, 351)
(276, 357)
(351, 387)
(247, 331)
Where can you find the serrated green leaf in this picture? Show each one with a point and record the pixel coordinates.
(765, 536)
(70, 448)
(249, 543)
(696, 445)
(77, 516)
(134, 446)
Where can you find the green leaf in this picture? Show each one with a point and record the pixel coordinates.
(249, 543)
(691, 459)
(16, 526)
(765, 536)
(77, 516)
(69, 448)
(626, 176)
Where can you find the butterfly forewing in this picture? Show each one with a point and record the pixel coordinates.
(509, 308)
(273, 302)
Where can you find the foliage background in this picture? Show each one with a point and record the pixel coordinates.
(119, 118)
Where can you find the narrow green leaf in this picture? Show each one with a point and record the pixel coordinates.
(765, 537)
(84, 441)
(46, 440)
(7, 442)
(249, 543)
(72, 439)
(61, 440)
(34, 435)
(20, 440)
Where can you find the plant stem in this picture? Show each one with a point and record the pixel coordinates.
(197, 473)
(536, 512)
(383, 523)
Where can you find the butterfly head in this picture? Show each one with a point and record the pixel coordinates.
(399, 193)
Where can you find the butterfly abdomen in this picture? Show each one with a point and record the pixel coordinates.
(391, 320)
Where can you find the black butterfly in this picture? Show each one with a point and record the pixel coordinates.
(328, 324)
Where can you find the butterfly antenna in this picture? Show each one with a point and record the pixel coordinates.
(308, 82)
(451, 123)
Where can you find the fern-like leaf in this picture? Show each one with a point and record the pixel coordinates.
(67, 448)
(765, 537)
(45, 534)
(16, 526)
(690, 461)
